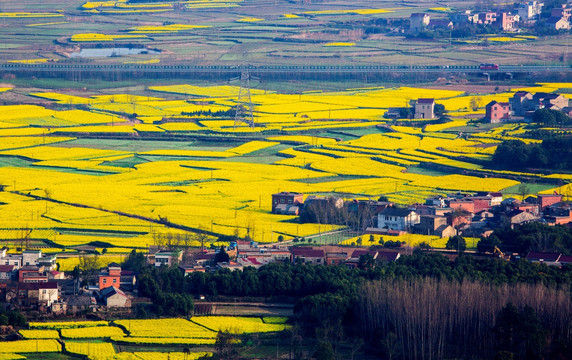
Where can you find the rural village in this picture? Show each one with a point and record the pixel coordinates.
(288, 179)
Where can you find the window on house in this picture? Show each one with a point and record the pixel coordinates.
(114, 281)
(44, 291)
(289, 201)
(104, 281)
(281, 201)
(319, 260)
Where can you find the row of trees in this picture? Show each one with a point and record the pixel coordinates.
(431, 319)
(533, 236)
(554, 154)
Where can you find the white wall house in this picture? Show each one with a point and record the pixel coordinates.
(397, 219)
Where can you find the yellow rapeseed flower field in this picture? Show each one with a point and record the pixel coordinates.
(238, 325)
(93, 350)
(92, 332)
(30, 346)
(40, 334)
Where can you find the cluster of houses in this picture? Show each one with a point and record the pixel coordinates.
(525, 13)
(523, 104)
(30, 281)
(472, 215)
(445, 216)
(249, 254)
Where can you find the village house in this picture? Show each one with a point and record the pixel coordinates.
(527, 207)
(464, 17)
(562, 11)
(520, 102)
(10, 259)
(352, 261)
(39, 295)
(548, 258)
(387, 256)
(444, 24)
(30, 257)
(189, 269)
(286, 202)
(528, 11)
(115, 298)
(168, 258)
(307, 255)
(336, 258)
(545, 200)
(496, 112)
(32, 273)
(49, 262)
(481, 203)
(423, 108)
(518, 217)
(323, 201)
(7, 272)
(486, 18)
(79, 303)
(393, 218)
(434, 225)
(507, 21)
(48, 292)
(543, 100)
(111, 276)
(466, 204)
(557, 23)
(418, 22)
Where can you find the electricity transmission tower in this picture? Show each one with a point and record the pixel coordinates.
(244, 106)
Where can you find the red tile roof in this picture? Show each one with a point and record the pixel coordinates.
(544, 256)
(307, 253)
(425, 101)
(6, 268)
(362, 252)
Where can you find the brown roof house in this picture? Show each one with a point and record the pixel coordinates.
(7, 272)
(286, 203)
(548, 258)
(423, 108)
(496, 112)
(78, 303)
(308, 255)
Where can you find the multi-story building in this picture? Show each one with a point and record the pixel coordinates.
(424, 109)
